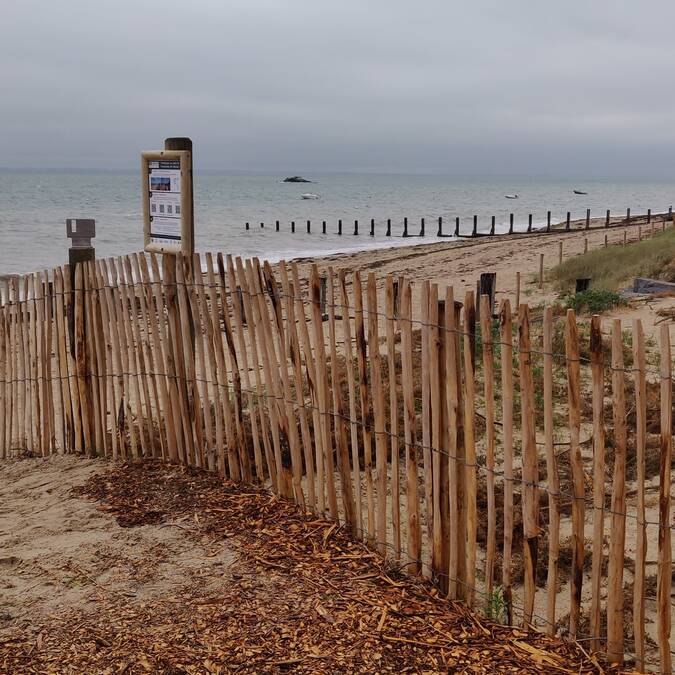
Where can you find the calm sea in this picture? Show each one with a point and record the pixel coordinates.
(34, 207)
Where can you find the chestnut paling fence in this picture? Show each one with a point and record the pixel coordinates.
(494, 455)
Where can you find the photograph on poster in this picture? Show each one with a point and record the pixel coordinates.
(160, 183)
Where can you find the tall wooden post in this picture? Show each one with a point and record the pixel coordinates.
(180, 143)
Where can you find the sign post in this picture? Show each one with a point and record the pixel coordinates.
(168, 221)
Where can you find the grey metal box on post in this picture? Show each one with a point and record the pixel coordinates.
(80, 231)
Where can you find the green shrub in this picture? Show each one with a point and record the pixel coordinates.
(594, 301)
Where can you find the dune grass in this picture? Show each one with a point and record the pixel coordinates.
(610, 268)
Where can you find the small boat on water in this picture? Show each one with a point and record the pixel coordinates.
(511, 196)
(579, 192)
(309, 195)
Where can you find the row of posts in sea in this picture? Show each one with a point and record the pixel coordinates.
(474, 231)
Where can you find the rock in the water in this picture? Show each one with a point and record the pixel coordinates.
(296, 179)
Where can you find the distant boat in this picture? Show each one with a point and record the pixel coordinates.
(511, 196)
(309, 195)
(579, 192)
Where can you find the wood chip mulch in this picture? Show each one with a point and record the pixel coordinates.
(302, 597)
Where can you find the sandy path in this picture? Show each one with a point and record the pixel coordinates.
(59, 552)
(172, 571)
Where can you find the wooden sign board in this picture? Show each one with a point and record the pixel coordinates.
(166, 177)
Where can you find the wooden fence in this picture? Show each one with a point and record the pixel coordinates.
(479, 451)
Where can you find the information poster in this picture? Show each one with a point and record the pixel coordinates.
(164, 186)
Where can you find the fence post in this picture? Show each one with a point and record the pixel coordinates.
(640, 382)
(506, 363)
(541, 270)
(615, 611)
(492, 225)
(474, 232)
(487, 307)
(551, 476)
(405, 227)
(440, 227)
(340, 226)
(388, 233)
(510, 223)
(607, 219)
(372, 227)
(422, 227)
(80, 231)
(356, 227)
(517, 290)
(457, 226)
(567, 222)
(548, 221)
(560, 252)
(530, 497)
(529, 223)
(576, 464)
(487, 285)
(663, 583)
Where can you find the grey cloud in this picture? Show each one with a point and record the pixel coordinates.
(487, 87)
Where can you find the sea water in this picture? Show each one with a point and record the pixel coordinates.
(34, 207)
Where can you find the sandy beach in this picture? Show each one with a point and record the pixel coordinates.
(460, 263)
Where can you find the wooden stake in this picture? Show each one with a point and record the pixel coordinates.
(80, 355)
(553, 481)
(378, 406)
(364, 399)
(313, 389)
(530, 494)
(338, 413)
(322, 385)
(351, 384)
(393, 415)
(506, 337)
(576, 463)
(639, 366)
(618, 531)
(238, 310)
(452, 393)
(470, 448)
(296, 360)
(155, 355)
(517, 289)
(436, 434)
(414, 544)
(120, 381)
(488, 377)
(200, 320)
(598, 377)
(282, 387)
(230, 350)
(426, 416)
(541, 270)
(665, 561)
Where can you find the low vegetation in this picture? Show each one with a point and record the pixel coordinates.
(609, 268)
(594, 301)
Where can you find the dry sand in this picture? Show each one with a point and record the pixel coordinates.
(460, 264)
(58, 552)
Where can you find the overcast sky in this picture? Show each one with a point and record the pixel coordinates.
(504, 87)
